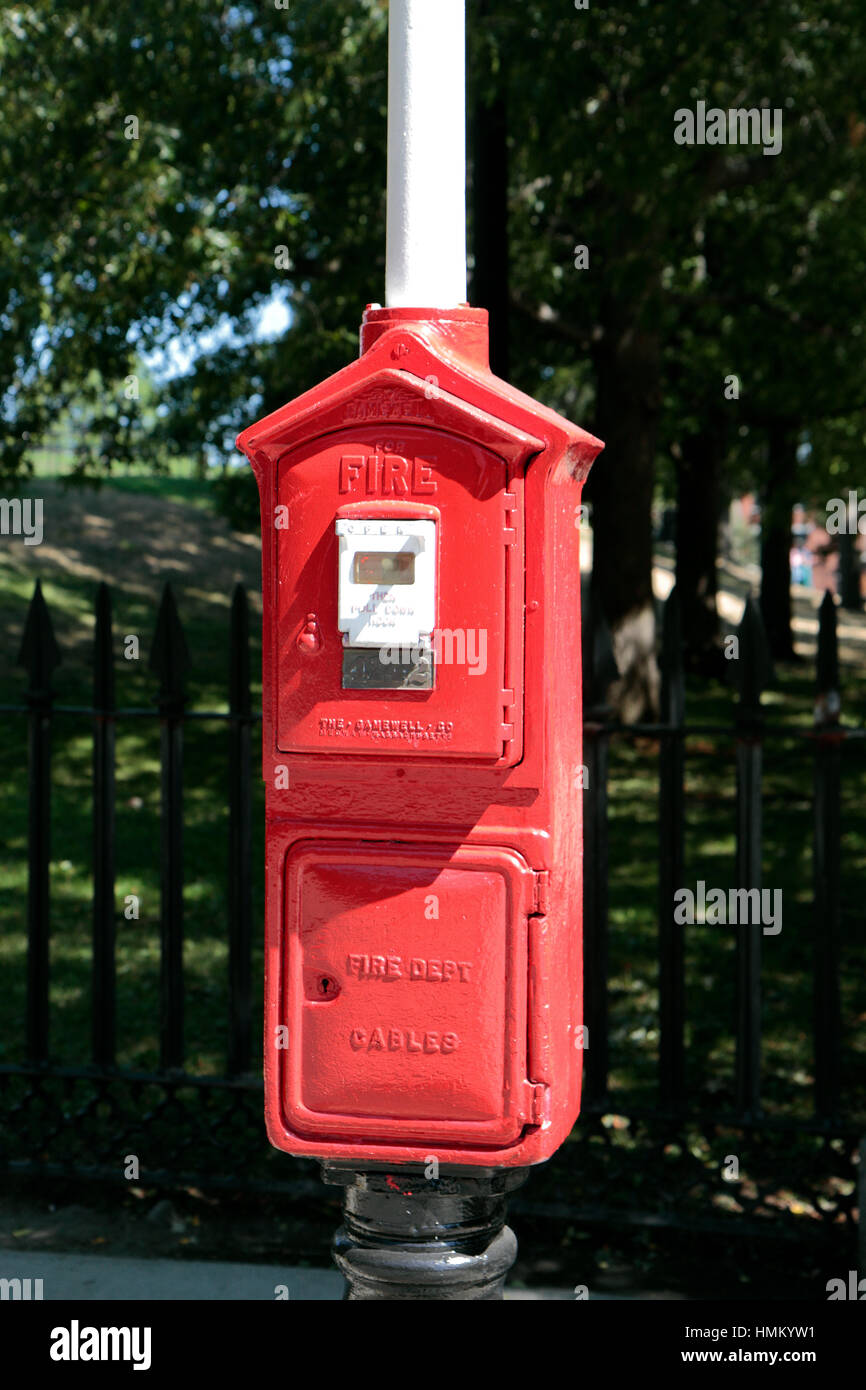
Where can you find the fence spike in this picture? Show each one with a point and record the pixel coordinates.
(239, 669)
(103, 654)
(671, 942)
(828, 698)
(827, 867)
(754, 669)
(39, 653)
(599, 670)
(169, 656)
(240, 838)
(169, 659)
(103, 1021)
(673, 700)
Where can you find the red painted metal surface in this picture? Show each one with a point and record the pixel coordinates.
(480, 554)
(423, 918)
(417, 957)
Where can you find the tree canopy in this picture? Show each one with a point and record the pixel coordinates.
(166, 169)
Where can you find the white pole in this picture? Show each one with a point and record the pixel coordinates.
(426, 254)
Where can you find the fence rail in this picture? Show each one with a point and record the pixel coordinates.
(187, 1111)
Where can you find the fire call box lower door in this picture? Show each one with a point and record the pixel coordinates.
(404, 992)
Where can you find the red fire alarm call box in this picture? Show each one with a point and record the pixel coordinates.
(422, 748)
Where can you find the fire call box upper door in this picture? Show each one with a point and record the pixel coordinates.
(445, 549)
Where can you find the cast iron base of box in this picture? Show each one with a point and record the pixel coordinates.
(407, 1236)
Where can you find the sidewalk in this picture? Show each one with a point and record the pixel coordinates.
(66, 1278)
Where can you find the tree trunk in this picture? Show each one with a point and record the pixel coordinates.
(697, 529)
(621, 492)
(490, 284)
(778, 502)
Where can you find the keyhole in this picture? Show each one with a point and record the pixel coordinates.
(327, 987)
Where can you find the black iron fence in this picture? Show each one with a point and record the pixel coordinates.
(89, 1117)
(822, 744)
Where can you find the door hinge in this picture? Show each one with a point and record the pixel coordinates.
(542, 892)
(510, 505)
(537, 1107)
(508, 715)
